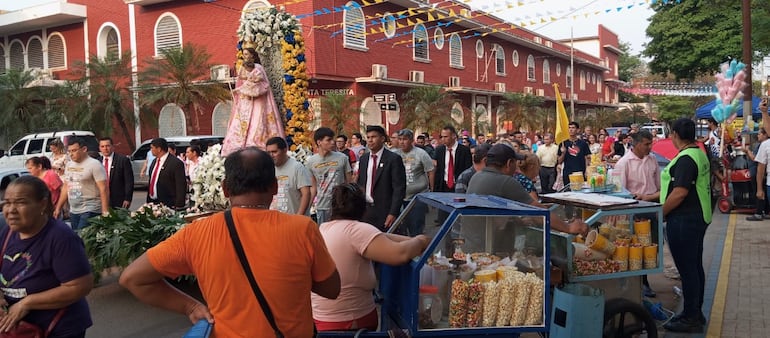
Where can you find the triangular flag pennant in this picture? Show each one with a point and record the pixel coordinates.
(400, 25)
(430, 17)
(409, 22)
(419, 21)
(452, 13)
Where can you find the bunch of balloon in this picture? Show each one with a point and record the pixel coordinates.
(730, 83)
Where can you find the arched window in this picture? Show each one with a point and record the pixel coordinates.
(515, 58)
(546, 71)
(219, 118)
(420, 41)
(599, 83)
(582, 80)
(108, 42)
(2, 59)
(168, 33)
(569, 77)
(57, 51)
(389, 25)
(457, 113)
(252, 6)
(171, 121)
(438, 38)
(354, 27)
(35, 53)
(530, 68)
(499, 60)
(17, 55)
(370, 112)
(455, 51)
(558, 69)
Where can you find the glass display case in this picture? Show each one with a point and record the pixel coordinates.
(485, 272)
(625, 237)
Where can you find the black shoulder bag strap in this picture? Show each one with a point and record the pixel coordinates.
(247, 269)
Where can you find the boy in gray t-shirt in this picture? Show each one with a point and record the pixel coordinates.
(328, 169)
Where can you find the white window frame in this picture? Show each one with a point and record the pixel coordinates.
(456, 51)
(531, 68)
(48, 51)
(19, 58)
(389, 25)
(499, 60)
(582, 80)
(546, 71)
(438, 38)
(3, 59)
(101, 40)
(354, 27)
(515, 58)
(163, 16)
(599, 83)
(479, 49)
(171, 108)
(558, 69)
(27, 62)
(220, 116)
(252, 5)
(420, 32)
(568, 76)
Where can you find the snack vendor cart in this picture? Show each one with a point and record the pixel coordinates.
(485, 272)
(624, 244)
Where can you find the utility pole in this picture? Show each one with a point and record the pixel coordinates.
(748, 94)
(572, 74)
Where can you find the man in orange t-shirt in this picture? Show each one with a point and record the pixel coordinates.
(286, 253)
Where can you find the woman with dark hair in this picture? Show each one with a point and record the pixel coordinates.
(192, 154)
(354, 245)
(58, 156)
(255, 117)
(52, 273)
(40, 167)
(686, 196)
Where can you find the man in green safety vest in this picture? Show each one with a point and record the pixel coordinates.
(686, 197)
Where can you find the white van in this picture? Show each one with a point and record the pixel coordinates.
(37, 145)
(661, 130)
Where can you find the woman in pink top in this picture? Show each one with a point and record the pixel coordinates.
(40, 167)
(354, 245)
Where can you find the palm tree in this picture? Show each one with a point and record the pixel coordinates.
(102, 95)
(481, 123)
(521, 109)
(427, 108)
(22, 108)
(341, 110)
(181, 76)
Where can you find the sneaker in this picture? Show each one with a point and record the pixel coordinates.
(648, 292)
(755, 218)
(701, 318)
(686, 325)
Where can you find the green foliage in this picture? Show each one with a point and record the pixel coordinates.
(692, 37)
(523, 110)
(341, 110)
(22, 109)
(427, 108)
(181, 76)
(671, 108)
(102, 95)
(123, 236)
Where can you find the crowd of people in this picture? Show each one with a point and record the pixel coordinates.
(319, 274)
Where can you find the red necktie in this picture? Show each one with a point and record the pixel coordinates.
(374, 174)
(450, 171)
(107, 168)
(154, 178)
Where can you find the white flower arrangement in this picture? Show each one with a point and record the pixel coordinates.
(302, 154)
(207, 185)
(266, 27)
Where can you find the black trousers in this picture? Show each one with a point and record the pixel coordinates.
(547, 179)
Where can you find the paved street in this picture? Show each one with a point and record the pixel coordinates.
(735, 258)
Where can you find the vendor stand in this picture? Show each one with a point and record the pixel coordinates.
(625, 243)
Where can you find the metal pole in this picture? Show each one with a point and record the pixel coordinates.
(747, 92)
(572, 74)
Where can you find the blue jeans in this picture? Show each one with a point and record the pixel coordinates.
(685, 235)
(414, 221)
(323, 216)
(80, 221)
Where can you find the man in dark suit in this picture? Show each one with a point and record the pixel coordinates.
(446, 171)
(120, 175)
(382, 175)
(167, 180)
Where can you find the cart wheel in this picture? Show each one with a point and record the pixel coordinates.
(724, 204)
(624, 318)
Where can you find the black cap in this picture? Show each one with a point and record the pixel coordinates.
(501, 153)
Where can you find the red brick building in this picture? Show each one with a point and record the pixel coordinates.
(407, 43)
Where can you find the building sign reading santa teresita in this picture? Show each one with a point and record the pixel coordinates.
(314, 92)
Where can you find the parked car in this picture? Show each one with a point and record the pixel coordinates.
(37, 145)
(611, 130)
(6, 177)
(180, 142)
(662, 131)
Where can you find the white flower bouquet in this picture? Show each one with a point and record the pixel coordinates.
(207, 185)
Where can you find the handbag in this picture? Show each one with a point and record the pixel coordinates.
(247, 270)
(25, 329)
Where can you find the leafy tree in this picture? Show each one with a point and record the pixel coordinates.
(481, 123)
(101, 96)
(692, 37)
(630, 68)
(427, 108)
(522, 109)
(341, 110)
(671, 108)
(22, 108)
(181, 76)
